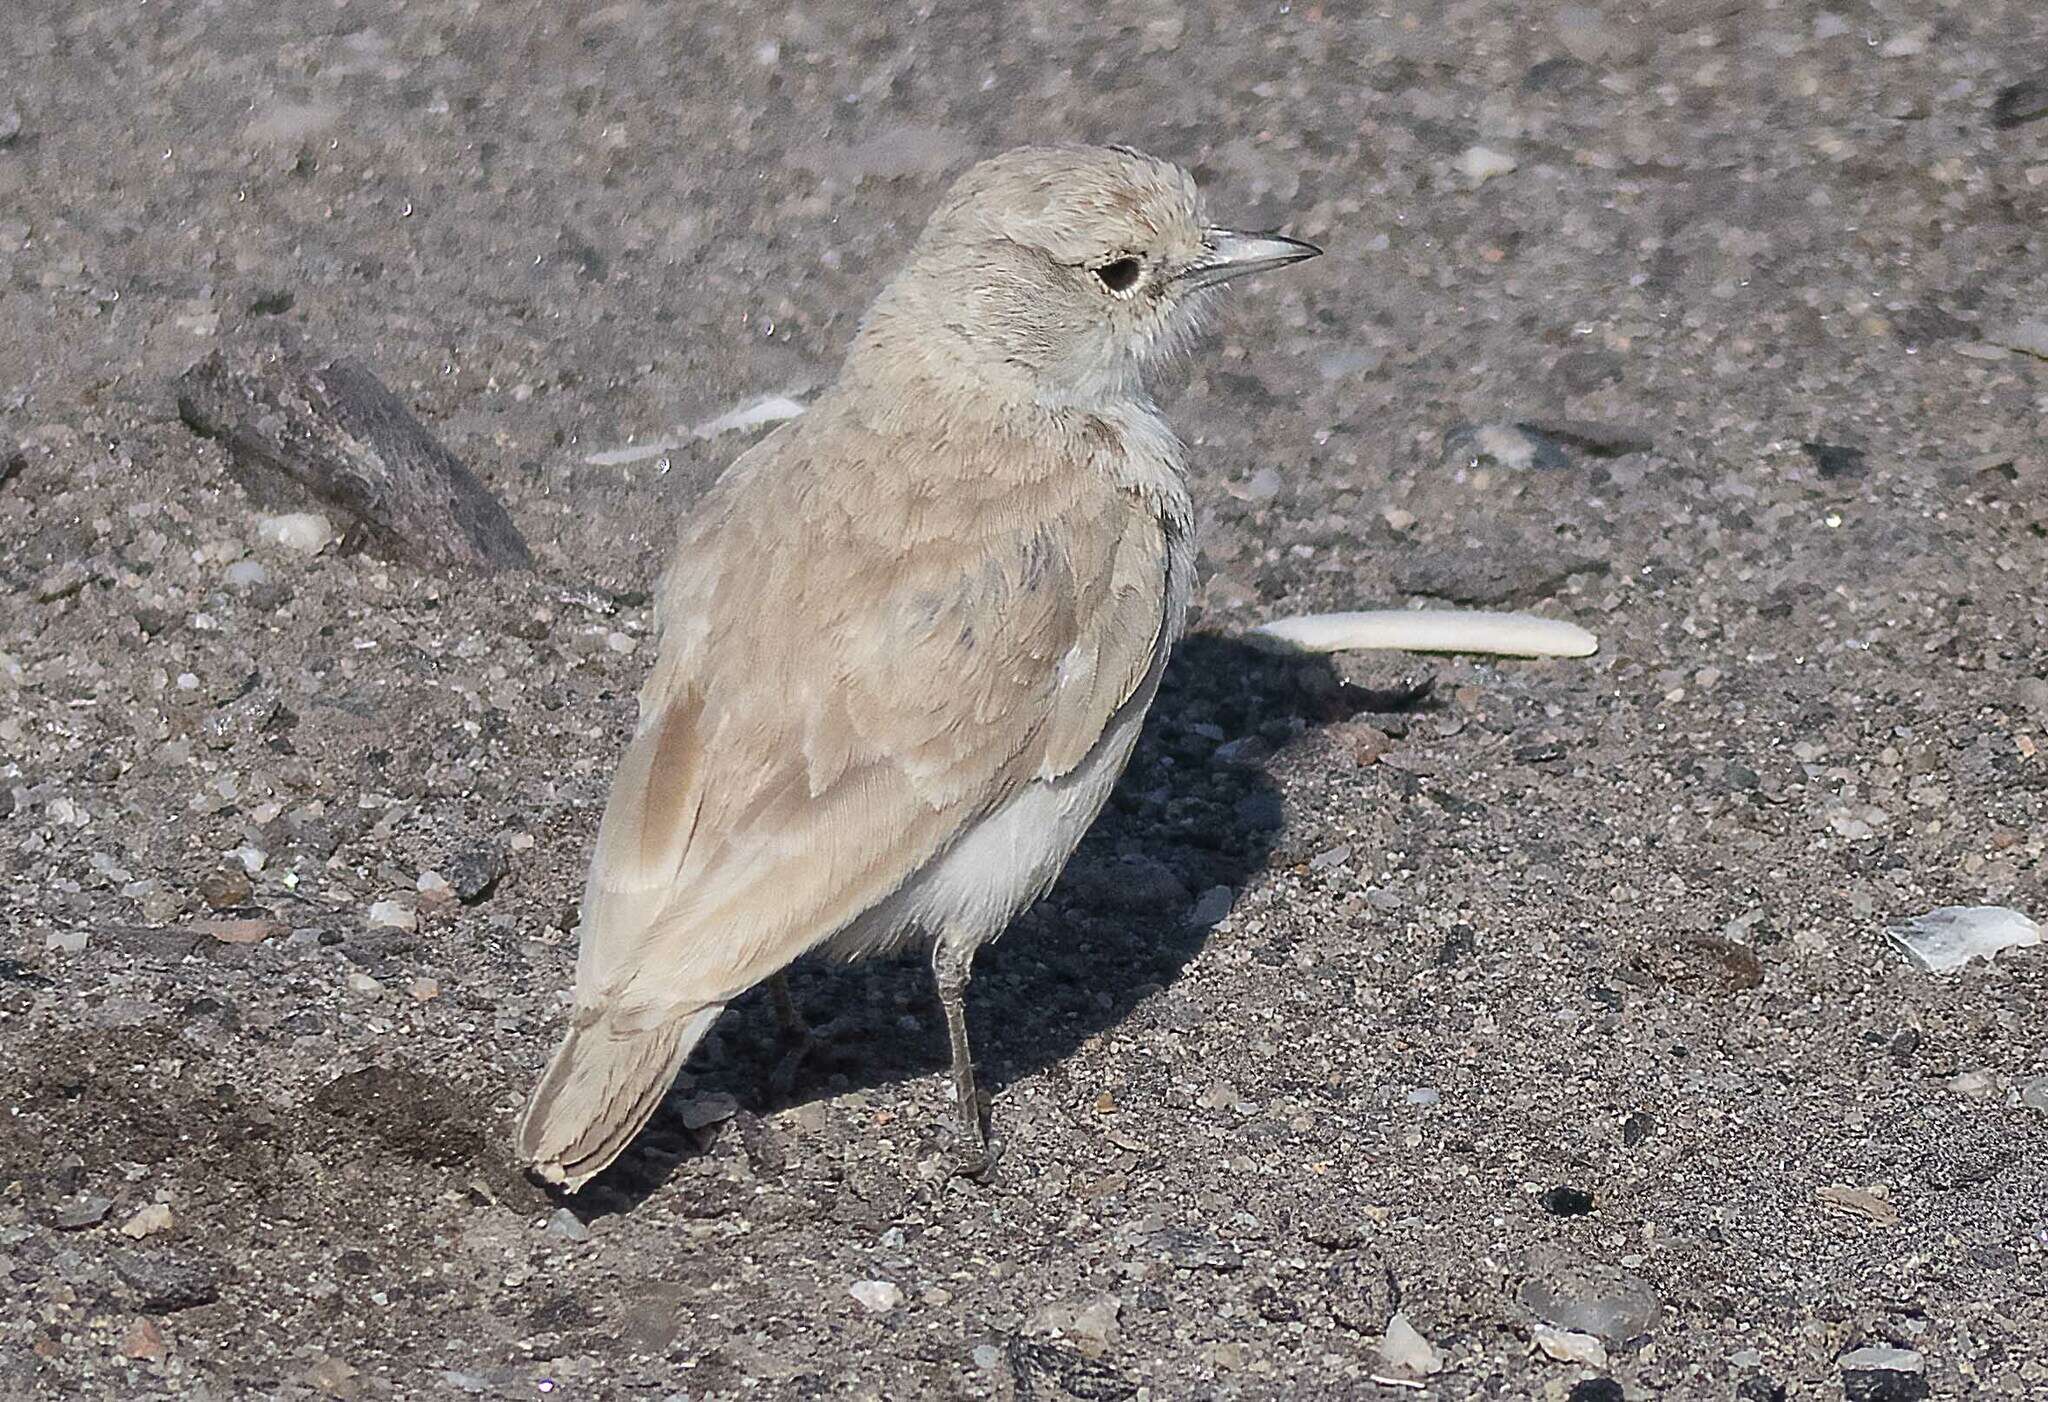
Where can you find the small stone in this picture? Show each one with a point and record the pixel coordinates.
(305, 532)
(876, 1296)
(1586, 1299)
(1758, 1388)
(1211, 907)
(10, 123)
(1480, 164)
(359, 982)
(67, 941)
(567, 1225)
(1511, 447)
(2027, 337)
(2020, 103)
(240, 931)
(434, 889)
(1871, 1204)
(1836, 460)
(1947, 938)
(1974, 1084)
(165, 1284)
(1569, 1346)
(76, 1214)
(424, 989)
(1910, 44)
(149, 1221)
(2034, 1094)
(1883, 1373)
(247, 574)
(475, 872)
(226, 888)
(1404, 1348)
(1595, 1390)
(700, 1111)
(143, 1341)
(1564, 1201)
(987, 1357)
(392, 915)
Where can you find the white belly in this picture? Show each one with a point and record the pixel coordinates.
(975, 888)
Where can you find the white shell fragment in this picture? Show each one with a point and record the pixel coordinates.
(1433, 630)
(1403, 1347)
(1942, 941)
(307, 532)
(773, 409)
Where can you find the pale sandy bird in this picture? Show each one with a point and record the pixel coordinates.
(908, 639)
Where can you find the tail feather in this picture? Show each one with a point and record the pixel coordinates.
(604, 1084)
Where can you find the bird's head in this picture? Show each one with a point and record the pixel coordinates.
(1068, 268)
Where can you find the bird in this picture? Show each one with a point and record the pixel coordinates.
(906, 641)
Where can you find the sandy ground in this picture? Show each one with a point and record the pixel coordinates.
(1344, 989)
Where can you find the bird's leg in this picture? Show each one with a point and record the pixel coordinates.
(951, 968)
(786, 1015)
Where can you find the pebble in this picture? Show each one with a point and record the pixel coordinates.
(876, 1296)
(1615, 1308)
(424, 989)
(226, 888)
(143, 1341)
(1569, 1346)
(76, 1214)
(475, 871)
(10, 123)
(703, 1110)
(360, 982)
(392, 915)
(2020, 103)
(567, 1225)
(148, 1221)
(1564, 1201)
(1211, 907)
(1595, 1390)
(2029, 337)
(1404, 1348)
(1974, 1084)
(67, 941)
(306, 532)
(247, 574)
(987, 1357)
(1883, 1373)
(2034, 1094)
(164, 1284)
(1480, 164)
(1508, 446)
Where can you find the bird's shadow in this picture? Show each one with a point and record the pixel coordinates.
(1185, 830)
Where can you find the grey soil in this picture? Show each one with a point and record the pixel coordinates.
(1347, 984)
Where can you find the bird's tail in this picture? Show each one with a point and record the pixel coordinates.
(605, 1082)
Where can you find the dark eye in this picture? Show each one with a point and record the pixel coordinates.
(1120, 274)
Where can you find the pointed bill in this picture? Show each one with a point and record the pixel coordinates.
(1229, 253)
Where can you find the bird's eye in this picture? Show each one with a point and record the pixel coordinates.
(1120, 275)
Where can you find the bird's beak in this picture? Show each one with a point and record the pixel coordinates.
(1228, 253)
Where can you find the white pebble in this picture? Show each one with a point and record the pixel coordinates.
(1564, 1346)
(1480, 164)
(246, 574)
(876, 1296)
(1404, 1348)
(568, 1226)
(307, 532)
(392, 915)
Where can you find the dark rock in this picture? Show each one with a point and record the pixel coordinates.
(165, 1284)
(272, 303)
(10, 123)
(1758, 1388)
(1595, 1390)
(475, 872)
(1047, 1370)
(2025, 101)
(1883, 1385)
(1836, 460)
(76, 1214)
(1490, 576)
(13, 462)
(1599, 440)
(1564, 1201)
(226, 888)
(298, 425)
(1637, 1128)
(1583, 371)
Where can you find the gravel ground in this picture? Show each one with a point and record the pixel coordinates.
(1557, 998)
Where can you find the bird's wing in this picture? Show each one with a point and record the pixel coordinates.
(855, 669)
